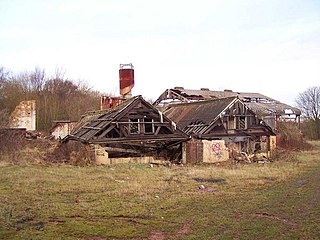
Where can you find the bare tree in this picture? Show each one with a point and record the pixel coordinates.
(59, 73)
(57, 98)
(37, 79)
(4, 117)
(33, 81)
(12, 93)
(309, 103)
(4, 74)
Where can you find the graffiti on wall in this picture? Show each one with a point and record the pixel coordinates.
(214, 151)
(216, 148)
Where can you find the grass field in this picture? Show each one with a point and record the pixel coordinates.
(279, 200)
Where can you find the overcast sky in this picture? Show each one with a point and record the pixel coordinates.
(266, 46)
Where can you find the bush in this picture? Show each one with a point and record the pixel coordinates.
(11, 142)
(284, 155)
(74, 153)
(16, 148)
(290, 137)
(311, 129)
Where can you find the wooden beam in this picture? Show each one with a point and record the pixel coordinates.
(157, 131)
(127, 140)
(101, 120)
(157, 123)
(105, 132)
(123, 131)
(91, 128)
(143, 145)
(114, 149)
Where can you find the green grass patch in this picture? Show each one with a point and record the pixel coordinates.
(278, 200)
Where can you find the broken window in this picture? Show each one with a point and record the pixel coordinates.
(235, 122)
(231, 122)
(241, 123)
(148, 126)
(134, 126)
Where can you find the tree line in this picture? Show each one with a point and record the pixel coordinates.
(309, 104)
(57, 97)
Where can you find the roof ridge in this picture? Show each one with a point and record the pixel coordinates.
(204, 101)
(103, 111)
(225, 92)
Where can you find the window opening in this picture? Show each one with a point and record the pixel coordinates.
(148, 125)
(134, 126)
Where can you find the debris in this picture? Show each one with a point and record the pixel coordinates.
(263, 162)
(206, 189)
(247, 159)
(31, 135)
(119, 181)
(210, 180)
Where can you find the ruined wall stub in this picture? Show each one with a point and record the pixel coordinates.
(192, 151)
(196, 151)
(62, 129)
(24, 116)
(102, 156)
(215, 151)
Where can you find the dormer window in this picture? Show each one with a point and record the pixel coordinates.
(141, 126)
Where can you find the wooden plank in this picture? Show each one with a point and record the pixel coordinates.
(101, 120)
(156, 123)
(165, 138)
(144, 145)
(163, 124)
(117, 149)
(105, 132)
(158, 130)
(91, 128)
(123, 131)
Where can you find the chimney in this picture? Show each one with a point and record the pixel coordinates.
(126, 75)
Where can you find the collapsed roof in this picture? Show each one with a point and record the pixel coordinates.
(261, 104)
(196, 117)
(133, 126)
(217, 118)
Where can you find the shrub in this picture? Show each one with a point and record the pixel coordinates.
(290, 137)
(74, 153)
